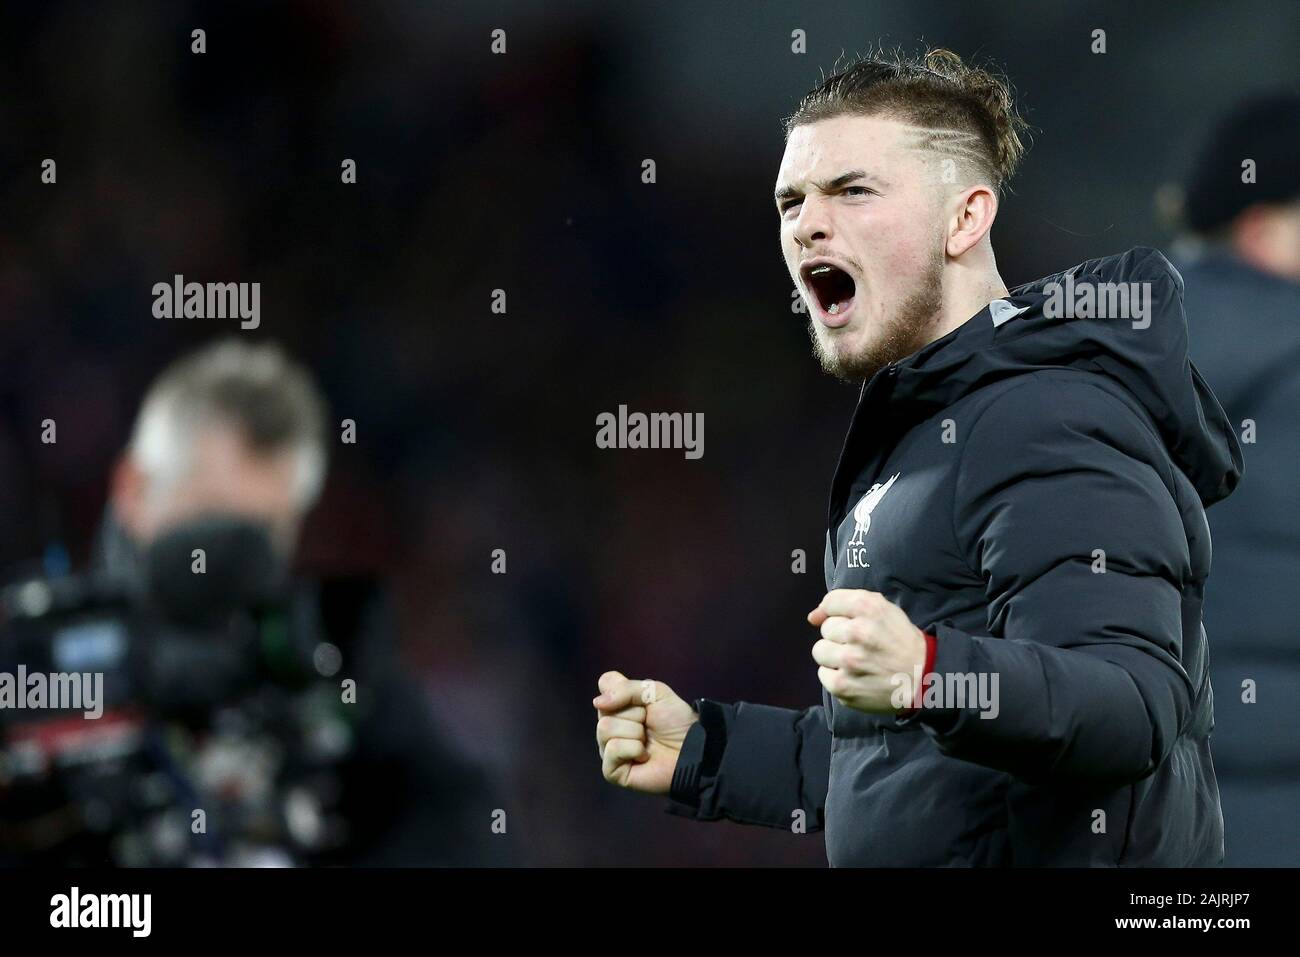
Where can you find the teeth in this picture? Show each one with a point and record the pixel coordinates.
(835, 307)
(820, 269)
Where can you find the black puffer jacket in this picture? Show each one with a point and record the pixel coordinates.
(1031, 491)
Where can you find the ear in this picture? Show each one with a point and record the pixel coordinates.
(975, 209)
(127, 488)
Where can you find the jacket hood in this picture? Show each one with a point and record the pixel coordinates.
(1067, 320)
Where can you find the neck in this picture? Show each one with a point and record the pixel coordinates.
(967, 290)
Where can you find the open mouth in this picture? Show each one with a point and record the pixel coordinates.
(831, 286)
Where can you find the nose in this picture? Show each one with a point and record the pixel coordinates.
(813, 223)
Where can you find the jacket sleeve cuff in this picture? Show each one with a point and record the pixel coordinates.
(947, 652)
(699, 759)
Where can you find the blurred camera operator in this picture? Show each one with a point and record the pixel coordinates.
(235, 684)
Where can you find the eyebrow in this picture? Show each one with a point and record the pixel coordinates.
(839, 182)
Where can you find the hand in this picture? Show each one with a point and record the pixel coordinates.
(640, 731)
(870, 653)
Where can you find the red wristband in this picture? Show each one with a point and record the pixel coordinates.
(931, 645)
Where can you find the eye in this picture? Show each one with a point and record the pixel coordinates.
(789, 204)
(859, 191)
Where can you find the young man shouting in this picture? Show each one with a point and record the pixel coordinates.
(1011, 650)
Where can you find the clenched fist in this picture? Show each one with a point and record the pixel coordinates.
(640, 731)
(870, 653)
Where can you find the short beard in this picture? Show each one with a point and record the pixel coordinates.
(906, 331)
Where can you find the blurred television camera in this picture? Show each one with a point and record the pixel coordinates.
(214, 700)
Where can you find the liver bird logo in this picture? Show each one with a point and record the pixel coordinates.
(862, 513)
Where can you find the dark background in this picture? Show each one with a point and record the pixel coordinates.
(476, 431)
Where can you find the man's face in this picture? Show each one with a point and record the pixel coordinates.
(863, 239)
(1277, 229)
(224, 475)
